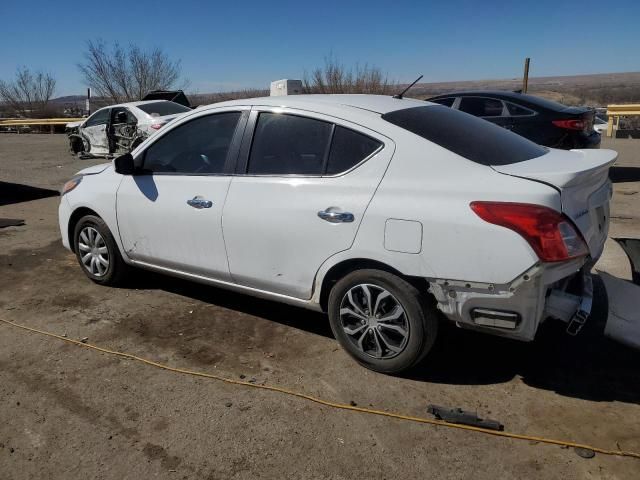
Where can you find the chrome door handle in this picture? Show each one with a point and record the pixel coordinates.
(199, 202)
(332, 216)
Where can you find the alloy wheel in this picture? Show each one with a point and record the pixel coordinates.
(94, 254)
(374, 321)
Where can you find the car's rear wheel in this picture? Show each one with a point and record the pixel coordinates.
(97, 251)
(382, 320)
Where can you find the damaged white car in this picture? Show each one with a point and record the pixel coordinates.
(118, 129)
(376, 210)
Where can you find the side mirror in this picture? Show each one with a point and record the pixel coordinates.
(124, 164)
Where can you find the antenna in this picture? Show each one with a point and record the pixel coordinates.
(401, 94)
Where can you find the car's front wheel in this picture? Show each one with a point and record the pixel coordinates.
(382, 320)
(97, 251)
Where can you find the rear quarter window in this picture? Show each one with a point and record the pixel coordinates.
(470, 137)
(348, 149)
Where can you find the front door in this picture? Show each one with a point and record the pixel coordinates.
(170, 215)
(94, 131)
(299, 197)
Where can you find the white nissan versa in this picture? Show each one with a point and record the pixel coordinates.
(378, 210)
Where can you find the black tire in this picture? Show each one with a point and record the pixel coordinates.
(419, 315)
(116, 271)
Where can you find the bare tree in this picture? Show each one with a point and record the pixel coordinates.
(333, 77)
(29, 94)
(127, 74)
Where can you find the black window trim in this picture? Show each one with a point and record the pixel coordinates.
(242, 164)
(232, 154)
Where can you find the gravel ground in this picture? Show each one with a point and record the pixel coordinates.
(68, 412)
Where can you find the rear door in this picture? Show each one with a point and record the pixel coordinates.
(95, 131)
(303, 185)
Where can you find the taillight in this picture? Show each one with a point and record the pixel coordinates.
(570, 124)
(157, 126)
(551, 235)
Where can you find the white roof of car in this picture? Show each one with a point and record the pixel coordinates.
(135, 104)
(380, 104)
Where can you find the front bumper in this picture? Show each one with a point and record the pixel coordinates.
(64, 215)
(516, 310)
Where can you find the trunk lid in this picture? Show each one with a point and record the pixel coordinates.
(582, 178)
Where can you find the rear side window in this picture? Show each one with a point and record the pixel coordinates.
(518, 111)
(447, 102)
(289, 145)
(160, 109)
(470, 137)
(481, 107)
(349, 148)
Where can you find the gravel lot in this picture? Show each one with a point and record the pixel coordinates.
(68, 412)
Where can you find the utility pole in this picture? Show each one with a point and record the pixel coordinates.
(525, 78)
(88, 106)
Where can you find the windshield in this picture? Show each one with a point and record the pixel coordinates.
(473, 138)
(160, 109)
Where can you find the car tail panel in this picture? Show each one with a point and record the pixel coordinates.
(582, 177)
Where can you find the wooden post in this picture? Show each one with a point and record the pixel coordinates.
(525, 78)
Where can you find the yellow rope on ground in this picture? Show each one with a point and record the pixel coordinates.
(327, 403)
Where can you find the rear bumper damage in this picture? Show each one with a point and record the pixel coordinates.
(516, 309)
(562, 292)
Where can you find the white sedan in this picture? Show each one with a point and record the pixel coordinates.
(118, 129)
(386, 213)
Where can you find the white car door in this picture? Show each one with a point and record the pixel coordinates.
(170, 214)
(94, 130)
(299, 196)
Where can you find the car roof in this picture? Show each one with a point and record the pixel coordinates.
(522, 98)
(379, 104)
(485, 93)
(134, 104)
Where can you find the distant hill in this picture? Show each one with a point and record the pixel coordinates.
(595, 89)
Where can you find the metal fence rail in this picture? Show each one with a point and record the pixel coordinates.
(614, 112)
(36, 122)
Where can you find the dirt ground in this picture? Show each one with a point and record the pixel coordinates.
(72, 413)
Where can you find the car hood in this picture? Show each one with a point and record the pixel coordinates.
(95, 169)
(73, 124)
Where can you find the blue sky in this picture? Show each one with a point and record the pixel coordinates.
(231, 45)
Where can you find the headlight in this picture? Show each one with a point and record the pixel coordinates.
(71, 184)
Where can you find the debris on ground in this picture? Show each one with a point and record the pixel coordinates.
(584, 452)
(457, 415)
(623, 321)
